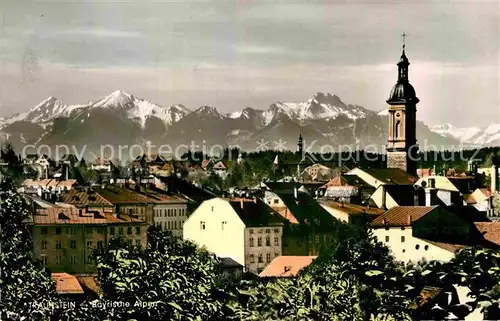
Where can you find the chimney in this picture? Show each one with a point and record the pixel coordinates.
(286, 269)
(494, 176)
(384, 221)
(255, 200)
(80, 212)
(241, 202)
(430, 197)
(384, 197)
(410, 220)
(432, 183)
(295, 192)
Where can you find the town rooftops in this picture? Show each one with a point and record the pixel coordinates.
(49, 182)
(400, 216)
(102, 161)
(117, 195)
(254, 212)
(227, 262)
(392, 176)
(73, 215)
(66, 284)
(286, 266)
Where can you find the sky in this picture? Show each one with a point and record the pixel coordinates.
(237, 54)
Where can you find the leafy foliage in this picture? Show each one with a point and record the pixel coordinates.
(170, 279)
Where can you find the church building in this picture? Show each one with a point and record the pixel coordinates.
(402, 148)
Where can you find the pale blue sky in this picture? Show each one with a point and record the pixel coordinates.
(236, 54)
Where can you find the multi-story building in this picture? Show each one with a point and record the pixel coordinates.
(413, 233)
(246, 230)
(169, 211)
(64, 237)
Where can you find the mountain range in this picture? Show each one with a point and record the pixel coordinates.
(124, 119)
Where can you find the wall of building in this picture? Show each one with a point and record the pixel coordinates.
(273, 200)
(215, 226)
(170, 217)
(267, 244)
(66, 247)
(377, 197)
(407, 248)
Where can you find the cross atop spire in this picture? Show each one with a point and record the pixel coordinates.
(403, 35)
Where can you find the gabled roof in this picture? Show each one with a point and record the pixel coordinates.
(85, 197)
(286, 266)
(336, 181)
(116, 195)
(489, 230)
(219, 165)
(402, 216)
(227, 262)
(352, 209)
(255, 213)
(205, 163)
(403, 195)
(66, 284)
(73, 215)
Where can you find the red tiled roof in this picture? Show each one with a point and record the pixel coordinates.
(490, 231)
(73, 215)
(286, 266)
(336, 181)
(66, 283)
(85, 197)
(205, 163)
(220, 165)
(402, 215)
(286, 214)
(447, 246)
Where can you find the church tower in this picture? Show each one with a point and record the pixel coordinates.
(300, 144)
(402, 148)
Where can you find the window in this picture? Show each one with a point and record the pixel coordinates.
(276, 241)
(417, 247)
(387, 238)
(168, 225)
(250, 231)
(58, 230)
(268, 230)
(259, 241)
(175, 212)
(426, 247)
(276, 230)
(99, 244)
(202, 225)
(168, 213)
(402, 239)
(44, 245)
(175, 225)
(251, 242)
(223, 224)
(72, 230)
(72, 244)
(112, 230)
(44, 230)
(89, 230)
(212, 208)
(58, 259)
(73, 259)
(268, 257)
(252, 258)
(45, 260)
(260, 260)
(129, 230)
(276, 201)
(317, 238)
(89, 244)
(268, 241)
(120, 231)
(137, 230)
(58, 245)
(276, 254)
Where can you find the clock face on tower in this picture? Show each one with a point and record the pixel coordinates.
(398, 114)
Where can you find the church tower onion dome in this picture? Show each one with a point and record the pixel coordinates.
(403, 92)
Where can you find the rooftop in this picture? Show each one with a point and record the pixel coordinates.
(399, 216)
(255, 213)
(286, 266)
(66, 283)
(73, 215)
(352, 209)
(489, 230)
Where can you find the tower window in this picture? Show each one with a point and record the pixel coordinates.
(397, 129)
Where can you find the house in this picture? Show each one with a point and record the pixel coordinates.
(245, 230)
(309, 229)
(64, 237)
(351, 213)
(220, 169)
(102, 165)
(286, 266)
(340, 189)
(86, 198)
(413, 233)
(381, 176)
(52, 185)
(229, 269)
(169, 210)
(318, 172)
(388, 196)
(445, 189)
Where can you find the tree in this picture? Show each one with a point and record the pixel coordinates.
(356, 280)
(27, 290)
(13, 167)
(169, 279)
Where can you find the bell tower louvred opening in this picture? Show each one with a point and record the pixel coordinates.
(402, 148)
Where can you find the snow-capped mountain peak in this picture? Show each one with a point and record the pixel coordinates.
(117, 98)
(208, 111)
